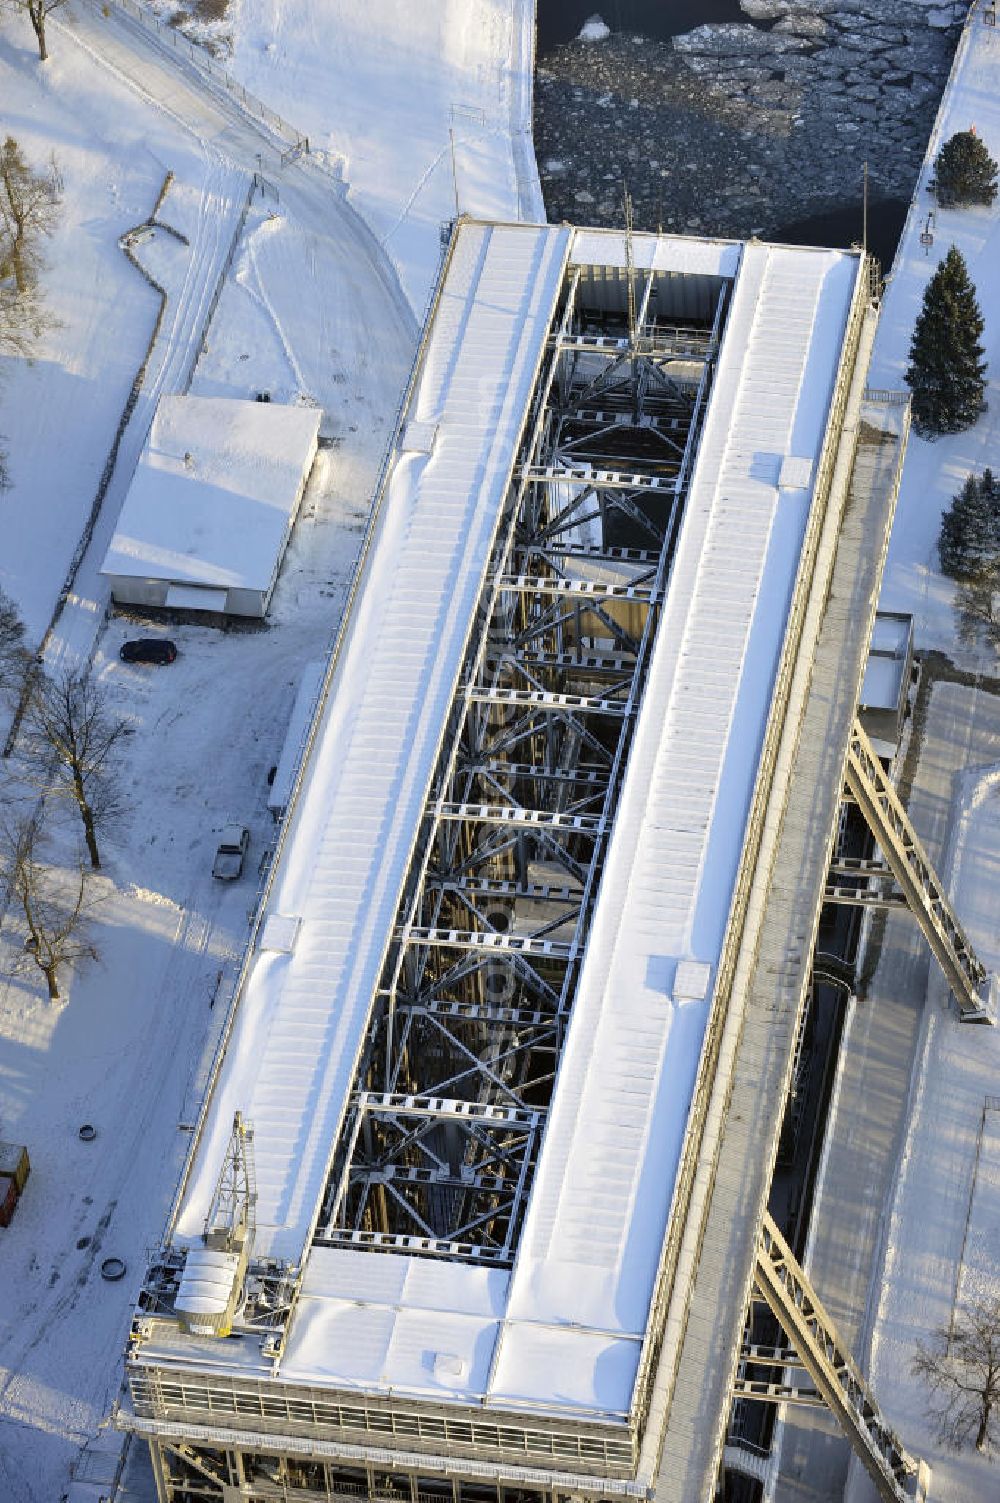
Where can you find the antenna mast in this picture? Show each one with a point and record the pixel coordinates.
(630, 268)
(229, 1224)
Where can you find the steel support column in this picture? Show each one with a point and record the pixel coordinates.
(836, 1377)
(916, 879)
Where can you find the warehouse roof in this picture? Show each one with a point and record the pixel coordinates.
(217, 484)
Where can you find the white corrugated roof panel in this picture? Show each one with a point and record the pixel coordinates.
(301, 1018)
(602, 1190)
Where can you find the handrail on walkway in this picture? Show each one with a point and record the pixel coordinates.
(203, 60)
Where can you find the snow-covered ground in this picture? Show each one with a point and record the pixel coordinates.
(59, 415)
(934, 471)
(423, 108)
(385, 88)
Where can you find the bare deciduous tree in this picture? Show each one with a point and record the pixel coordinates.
(962, 1370)
(11, 634)
(68, 717)
(29, 203)
(36, 11)
(55, 904)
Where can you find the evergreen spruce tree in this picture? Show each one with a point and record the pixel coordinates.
(966, 173)
(969, 542)
(947, 372)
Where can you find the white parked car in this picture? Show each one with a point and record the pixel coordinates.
(231, 853)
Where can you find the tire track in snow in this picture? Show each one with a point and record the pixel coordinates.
(179, 998)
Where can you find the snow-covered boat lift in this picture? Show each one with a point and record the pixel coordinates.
(556, 858)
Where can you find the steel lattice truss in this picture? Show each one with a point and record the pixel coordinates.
(904, 876)
(449, 1102)
(815, 1352)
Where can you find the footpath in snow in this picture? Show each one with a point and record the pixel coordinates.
(424, 107)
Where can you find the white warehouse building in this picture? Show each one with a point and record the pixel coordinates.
(477, 1200)
(212, 504)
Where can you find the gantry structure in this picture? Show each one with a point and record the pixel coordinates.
(496, 1107)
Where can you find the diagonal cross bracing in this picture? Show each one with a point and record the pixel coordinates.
(439, 1143)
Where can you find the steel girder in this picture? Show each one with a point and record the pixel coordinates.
(449, 1101)
(917, 883)
(836, 1378)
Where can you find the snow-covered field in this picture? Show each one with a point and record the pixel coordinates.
(443, 72)
(309, 313)
(433, 120)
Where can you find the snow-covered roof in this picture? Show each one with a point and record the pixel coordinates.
(564, 1328)
(291, 1056)
(212, 495)
(882, 683)
(605, 1178)
(408, 1322)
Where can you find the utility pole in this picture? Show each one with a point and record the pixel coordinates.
(629, 267)
(454, 168)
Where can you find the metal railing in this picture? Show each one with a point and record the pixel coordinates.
(888, 398)
(202, 59)
(183, 1401)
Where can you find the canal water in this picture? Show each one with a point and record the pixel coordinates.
(842, 227)
(561, 20)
